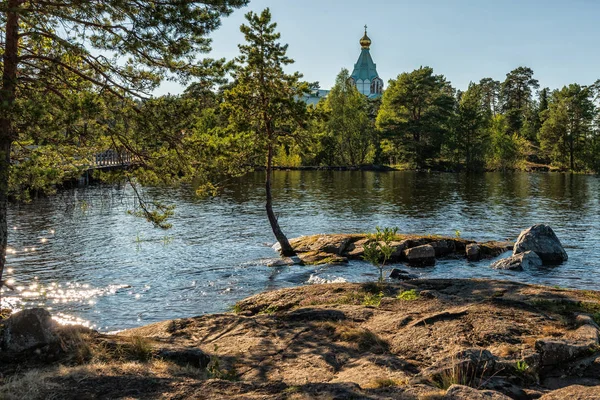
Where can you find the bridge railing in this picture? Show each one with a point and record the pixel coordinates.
(110, 158)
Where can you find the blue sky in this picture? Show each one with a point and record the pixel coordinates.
(465, 40)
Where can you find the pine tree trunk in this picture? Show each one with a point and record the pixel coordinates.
(7, 130)
(286, 248)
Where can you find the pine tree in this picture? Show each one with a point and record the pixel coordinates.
(415, 112)
(121, 48)
(265, 101)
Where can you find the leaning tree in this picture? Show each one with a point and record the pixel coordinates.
(265, 101)
(123, 49)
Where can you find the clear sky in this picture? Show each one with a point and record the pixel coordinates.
(465, 40)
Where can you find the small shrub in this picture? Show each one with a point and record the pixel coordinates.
(378, 249)
(215, 370)
(236, 309)
(409, 295)
(372, 299)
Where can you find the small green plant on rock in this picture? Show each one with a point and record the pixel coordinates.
(521, 366)
(378, 250)
(215, 370)
(271, 309)
(408, 295)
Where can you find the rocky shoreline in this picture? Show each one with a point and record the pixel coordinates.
(418, 339)
(416, 250)
(406, 338)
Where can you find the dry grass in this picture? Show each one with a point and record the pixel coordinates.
(366, 340)
(434, 395)
(37, 384)
(385, 382)
(32, 385)
(552, 330)
(506, 350)
(462, 372)
(89, 347)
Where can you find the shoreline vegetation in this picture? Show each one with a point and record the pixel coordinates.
(418, 339)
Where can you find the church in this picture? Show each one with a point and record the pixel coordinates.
(364, 75)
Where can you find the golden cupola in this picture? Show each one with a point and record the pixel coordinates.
(365, 41)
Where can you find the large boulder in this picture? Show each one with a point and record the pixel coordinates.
(420, 255)
(518, 262)
(28, 330)
(543, 241)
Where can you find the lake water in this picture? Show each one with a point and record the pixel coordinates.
(82, 255)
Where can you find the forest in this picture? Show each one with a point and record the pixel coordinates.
(73, 105)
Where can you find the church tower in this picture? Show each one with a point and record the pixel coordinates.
(365, 76)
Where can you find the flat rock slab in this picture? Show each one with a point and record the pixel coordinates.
(578, 343)
(460, 392)
(574, 392)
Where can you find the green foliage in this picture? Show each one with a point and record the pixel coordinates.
(415, 113)
(216, 371)
(155, 213)
(349, 132)
(567, 135)
(506, 151)
(470, 128)
(378, 249)
(271, 309)
(408, 295)
(516, 97)
(264, 101)
(521, 366)
(371, 299)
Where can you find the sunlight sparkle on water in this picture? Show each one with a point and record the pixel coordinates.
(65, 319)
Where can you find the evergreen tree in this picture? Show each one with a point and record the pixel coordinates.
(567, 130)
(265, 101)
(490, 93)
(516, 97)
(415, 112)
(470, 128)
(113, 47)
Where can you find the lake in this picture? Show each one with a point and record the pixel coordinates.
(82, 255)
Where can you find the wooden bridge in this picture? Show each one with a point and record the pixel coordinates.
(112, 159)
